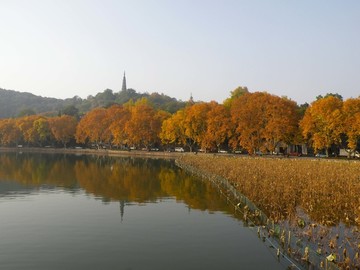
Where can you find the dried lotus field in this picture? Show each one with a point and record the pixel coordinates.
(319, 199)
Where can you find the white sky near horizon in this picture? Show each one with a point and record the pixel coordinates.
(203, 48)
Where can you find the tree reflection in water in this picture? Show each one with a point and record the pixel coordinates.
(127, 180)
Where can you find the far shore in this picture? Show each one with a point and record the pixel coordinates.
(155, 154)
(86, 151)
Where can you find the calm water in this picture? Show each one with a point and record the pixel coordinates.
(84, 212)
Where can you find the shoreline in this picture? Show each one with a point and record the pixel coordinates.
(85, 151)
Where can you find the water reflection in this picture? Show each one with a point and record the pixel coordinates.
(126, 179)
(108, 233)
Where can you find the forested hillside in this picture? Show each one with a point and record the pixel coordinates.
(14, 103)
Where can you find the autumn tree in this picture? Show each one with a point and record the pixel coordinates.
(10, 133)
(203, 124)
(63, 128)
(218, 126)
(34, 128)
(351, 124)
(173, 129)
(248, 121)
(195, 124)
(185, 127)
(322, 123)
(261, 121)
(144, 125)
(282, 122)
(94, 127)
(118, 116)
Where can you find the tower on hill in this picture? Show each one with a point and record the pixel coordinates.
(191, 100)
(123, 88)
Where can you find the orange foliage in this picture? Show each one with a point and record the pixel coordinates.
(34, 128)
(254, 121)
(144, 125)
(9, 132)
(195, 124)
(118, 117)
(204, 124)
(218, 126)
(351, 112)
(172, 130)
(94, 126)
(322, 122)
(63, 128)
(261, 121)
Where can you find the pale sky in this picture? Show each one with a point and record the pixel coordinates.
(293, 48)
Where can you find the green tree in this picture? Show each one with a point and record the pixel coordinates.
(26, 112)
(336, 95)
(236, 93)
(71, 110)
(41, 131)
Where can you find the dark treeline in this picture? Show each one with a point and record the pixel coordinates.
(16, 104)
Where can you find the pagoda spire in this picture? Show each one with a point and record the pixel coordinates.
(123, 88)
(191, 100)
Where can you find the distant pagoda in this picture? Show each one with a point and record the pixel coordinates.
(123, 88)
(191, 100)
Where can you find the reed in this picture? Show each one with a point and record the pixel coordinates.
(318, 199)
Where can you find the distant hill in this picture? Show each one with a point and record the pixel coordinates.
(14, 103)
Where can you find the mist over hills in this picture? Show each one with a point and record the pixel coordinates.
(15, 103)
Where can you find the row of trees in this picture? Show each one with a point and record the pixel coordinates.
(330, 121)
(37, 130)
(252, 121)
(131, 124)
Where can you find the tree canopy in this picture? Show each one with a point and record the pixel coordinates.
(322, 123)
(253, 122)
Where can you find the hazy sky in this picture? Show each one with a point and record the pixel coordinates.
(63, 48)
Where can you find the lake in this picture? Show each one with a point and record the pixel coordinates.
(99, 212)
